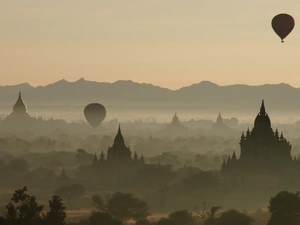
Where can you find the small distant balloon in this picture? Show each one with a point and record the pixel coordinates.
(283, 24)
(94, 114)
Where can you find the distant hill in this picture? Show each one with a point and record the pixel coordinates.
(204, 94)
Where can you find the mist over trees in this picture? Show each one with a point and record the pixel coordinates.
(168, 170)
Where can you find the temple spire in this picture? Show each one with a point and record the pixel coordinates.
(281, 136)
(233, 156)
(101, 156)
(248, 132)
(135, 157)
(19, 106)
(119, 140)
(262, 108)
(95, 160)
(276, 133)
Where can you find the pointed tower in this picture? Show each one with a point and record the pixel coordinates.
(223, 164)
(119, 151)
(243, 138)
(219, 120)
(229, 159)
(233, 156)
(142, 160)
(262, 109)
(276, 134)
(119, 140)
(281, 136)
(101, 156)
(95, 160)
(20, 107)
(175, 121)
(262, 121)
(261, 146)
(63, 178)
(135, 157)
(248, 133)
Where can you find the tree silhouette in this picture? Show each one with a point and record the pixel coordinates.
(165, 221)
(70, 192)
(233, 217)
(23, 209)
(19, 166)
(142, 222)
(57, 214)
(103, 218)
(125, 206)
(285, 209)
(83, 157)
(182, 217)
(205, 215)
(99, 203)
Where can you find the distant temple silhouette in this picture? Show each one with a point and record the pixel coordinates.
(175, 121)
(219, 127)
(118, 152)
(260, 147)
(175, 124)
(19, 110)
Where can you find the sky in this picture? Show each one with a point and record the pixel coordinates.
(169, 43)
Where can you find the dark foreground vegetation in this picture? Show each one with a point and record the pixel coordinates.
(124, 208)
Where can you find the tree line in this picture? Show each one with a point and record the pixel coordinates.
(119, 208)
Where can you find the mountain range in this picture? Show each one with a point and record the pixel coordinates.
(128, 93)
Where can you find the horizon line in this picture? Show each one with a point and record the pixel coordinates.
(121, 80)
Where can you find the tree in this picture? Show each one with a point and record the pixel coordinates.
(19, 166)
(165, 221)
(23, 209)
(43, 143)
(98, 203)
(233, 217)
(70, 192)
(105, 142)
(2, 220)
(201, 180)
(142, 222)
(182, 217)
(83, 157)
(125, 206)
(285, 209)
(206, 216)
(103, 218)
(57, 214)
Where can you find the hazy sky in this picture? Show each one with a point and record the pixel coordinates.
(170, 43)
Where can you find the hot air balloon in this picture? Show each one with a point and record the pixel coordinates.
(283, 24)
(94, 114)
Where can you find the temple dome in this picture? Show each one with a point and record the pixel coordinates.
(262, 119)
(19, 106)
(219, 119)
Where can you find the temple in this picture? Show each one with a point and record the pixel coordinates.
(261, 147)
(19, 109)
(219, 127)
(175, 121)
(119, 151)
(19, 113)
